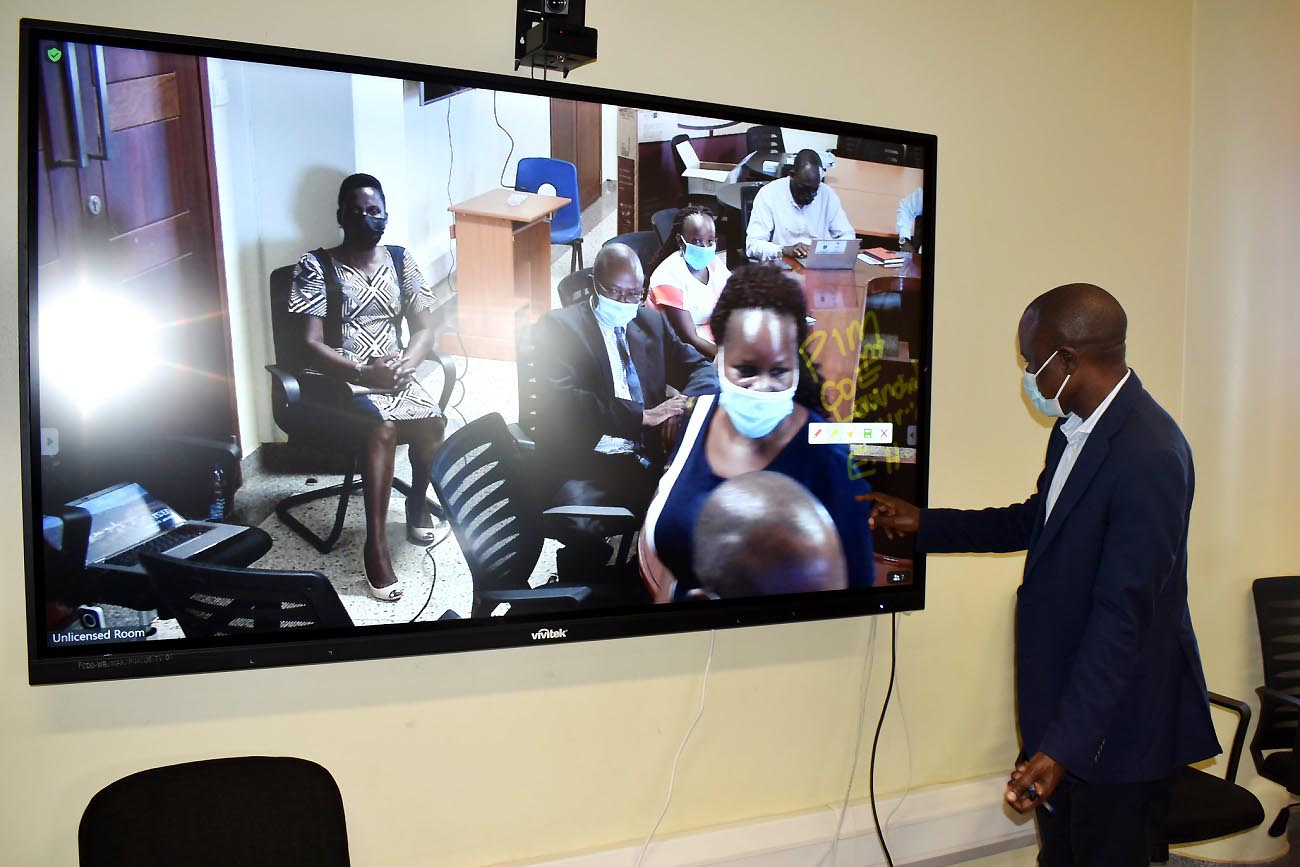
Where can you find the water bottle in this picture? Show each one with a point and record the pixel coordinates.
(217, 506)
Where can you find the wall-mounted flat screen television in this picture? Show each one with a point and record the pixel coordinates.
(316, 368)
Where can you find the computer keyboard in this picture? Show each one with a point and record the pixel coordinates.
(165, 542)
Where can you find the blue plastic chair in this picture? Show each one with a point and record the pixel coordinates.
(566, 225)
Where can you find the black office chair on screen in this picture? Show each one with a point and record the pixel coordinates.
(305, 406)
(1204, 806)
(663, 223)
(525, 430)
(764, 138)
(1277, 610)
(209, 601)
(256, 811)
(493, 506)
(575, 288)
(645, 244)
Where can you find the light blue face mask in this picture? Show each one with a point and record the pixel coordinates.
(615, 314)
(698, 258)
(1048, 406)
(755, 414)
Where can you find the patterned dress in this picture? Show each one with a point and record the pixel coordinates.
(371, 307)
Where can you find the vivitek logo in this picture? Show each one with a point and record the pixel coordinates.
(547, 632)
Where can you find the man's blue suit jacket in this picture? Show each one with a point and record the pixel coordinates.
(1109, 679)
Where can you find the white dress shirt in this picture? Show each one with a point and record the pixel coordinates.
(909, 208)
(609, 445)
(776, 221)
(1076, 432)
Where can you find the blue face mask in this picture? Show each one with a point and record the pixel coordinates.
(1048, 406)
(755, 414)
(615, 314)
(698, 258)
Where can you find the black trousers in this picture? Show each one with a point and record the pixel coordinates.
(599, 480)
(1102, 825)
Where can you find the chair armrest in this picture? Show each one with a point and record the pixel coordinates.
(448, 377)
(548, 597)
(1242, 710)
(285, 383)
(619, 519)
(523, 441)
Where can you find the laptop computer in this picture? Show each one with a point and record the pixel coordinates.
(831, 254)
(127, 521)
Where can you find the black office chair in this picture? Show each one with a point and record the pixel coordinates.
(493, 506)
(574, 288)
(645, 244)
(525, 430)
(1204, 806)
(209, 601)
(250, 810)
(764, 138)
(1277, 611)
(747, 193)
(663, 223)
(305, 406)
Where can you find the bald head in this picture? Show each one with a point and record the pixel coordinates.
(763, 533)
(1080, 315)
(617, 266)
(1076, 330)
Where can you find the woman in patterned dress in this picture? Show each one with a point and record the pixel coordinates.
(398, 410)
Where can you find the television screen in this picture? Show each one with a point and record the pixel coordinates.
(330, 358)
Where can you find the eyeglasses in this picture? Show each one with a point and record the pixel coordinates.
(622, 296)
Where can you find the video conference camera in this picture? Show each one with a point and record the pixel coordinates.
(552, 35)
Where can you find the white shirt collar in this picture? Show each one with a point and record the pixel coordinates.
(1076, 430)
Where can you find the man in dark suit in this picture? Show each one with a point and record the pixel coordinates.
(605, 368)
(1110, 692)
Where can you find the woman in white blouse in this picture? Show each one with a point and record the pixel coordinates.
(688, 278)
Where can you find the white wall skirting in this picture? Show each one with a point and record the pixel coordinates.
(937, 826)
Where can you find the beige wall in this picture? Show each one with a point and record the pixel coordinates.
(1242, 392)
(1064, 133)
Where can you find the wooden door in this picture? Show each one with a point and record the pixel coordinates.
(575, 138)
(126, 201)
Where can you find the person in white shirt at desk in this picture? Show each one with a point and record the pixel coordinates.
(910, 207)
(791, 212)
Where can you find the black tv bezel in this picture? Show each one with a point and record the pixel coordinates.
(47, 665)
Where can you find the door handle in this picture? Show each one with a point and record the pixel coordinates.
(72, 78)
(99, 81)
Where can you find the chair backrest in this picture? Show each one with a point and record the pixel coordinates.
(209, 600)
(645, 244)
(526, 374)
(284, 331)
(533, 172)
(1277, 610)
(574, 288)
(490, 503)
(764, 138)
(663, 223)
(251, 810)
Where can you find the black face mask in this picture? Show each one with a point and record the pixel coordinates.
(362, 230)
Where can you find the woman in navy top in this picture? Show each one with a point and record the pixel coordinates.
(759, 421)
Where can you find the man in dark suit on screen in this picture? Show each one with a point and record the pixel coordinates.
(604, 370)
(1110, 692)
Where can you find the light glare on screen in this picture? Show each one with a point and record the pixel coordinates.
(96, 346)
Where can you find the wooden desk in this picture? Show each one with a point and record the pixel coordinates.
(503, 268)
(870, 193)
